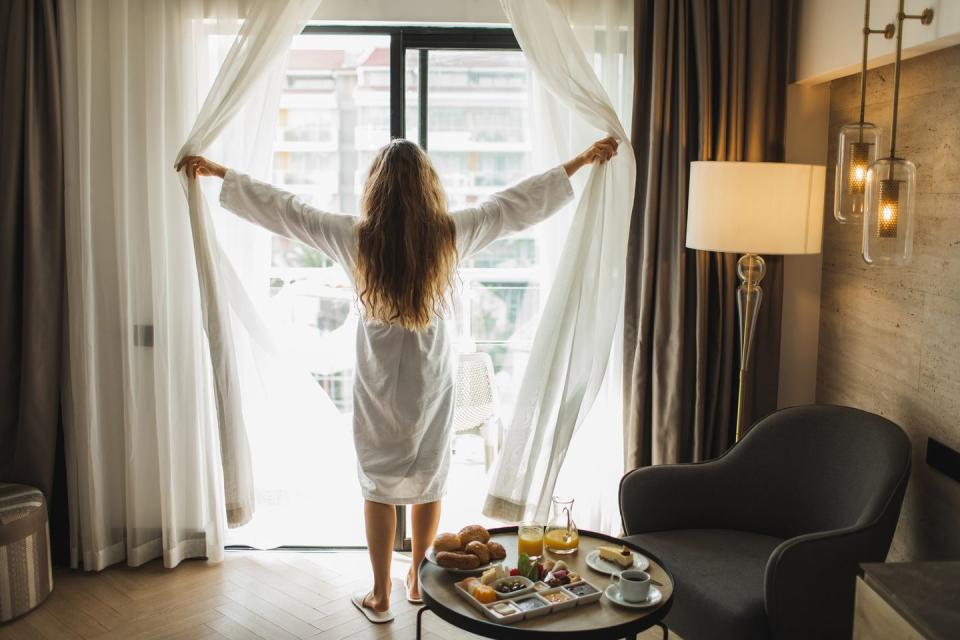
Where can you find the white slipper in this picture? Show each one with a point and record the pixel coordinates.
(378, 617)
(410, 598)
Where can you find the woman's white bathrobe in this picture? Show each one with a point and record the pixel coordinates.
(403, 390)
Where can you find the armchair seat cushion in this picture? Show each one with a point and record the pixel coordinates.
(719, 576)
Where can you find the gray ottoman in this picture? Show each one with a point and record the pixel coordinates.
(26, 578)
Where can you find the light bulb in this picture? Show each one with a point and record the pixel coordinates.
(860, 153)
(889, 208)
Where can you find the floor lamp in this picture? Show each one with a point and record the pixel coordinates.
(754, 208)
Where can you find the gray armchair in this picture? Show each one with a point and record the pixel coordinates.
(765, 541)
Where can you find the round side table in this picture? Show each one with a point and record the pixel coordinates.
(603, 620)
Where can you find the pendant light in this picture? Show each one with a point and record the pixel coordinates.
(859, 144)
(891, 184)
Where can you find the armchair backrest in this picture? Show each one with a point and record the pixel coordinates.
(816, 468)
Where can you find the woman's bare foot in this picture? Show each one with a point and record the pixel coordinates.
(413, 584)
(378, 603)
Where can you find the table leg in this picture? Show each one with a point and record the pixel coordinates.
(420, 621)
(666, 632)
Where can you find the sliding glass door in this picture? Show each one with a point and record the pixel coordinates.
(334, 112)
(464, 95)
(471, 112)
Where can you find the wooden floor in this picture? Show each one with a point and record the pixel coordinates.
(252, 595)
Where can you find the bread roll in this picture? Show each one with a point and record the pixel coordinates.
(497, 552)
(447, 542)
(478, 549)
(457, 560)
(474, 532)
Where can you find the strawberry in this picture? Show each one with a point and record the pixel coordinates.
(514, 572)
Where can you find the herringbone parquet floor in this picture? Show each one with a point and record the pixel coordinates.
(252, 595)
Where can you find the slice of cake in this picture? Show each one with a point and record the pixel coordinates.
(619, 556)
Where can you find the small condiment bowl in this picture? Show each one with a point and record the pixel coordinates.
(593, 596)
(526, 582)
(515, 615)
(567, 600)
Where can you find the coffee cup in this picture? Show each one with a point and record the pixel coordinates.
(634, 584)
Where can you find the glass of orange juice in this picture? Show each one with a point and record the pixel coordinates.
(530, 539)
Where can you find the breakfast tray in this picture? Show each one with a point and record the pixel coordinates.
(544, 600)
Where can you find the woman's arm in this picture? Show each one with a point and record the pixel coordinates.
(600, 151)
(195, 166)
(525, 203)
(276, 210)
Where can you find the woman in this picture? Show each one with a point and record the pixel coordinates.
(402, 254)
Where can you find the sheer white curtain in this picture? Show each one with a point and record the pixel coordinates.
(581, 54)
(141, 427)
(262, 42)
(604, 30)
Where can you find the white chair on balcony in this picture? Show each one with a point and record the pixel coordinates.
(475, 409)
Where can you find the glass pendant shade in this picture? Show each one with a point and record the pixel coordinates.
(888, 218)
(857, 150)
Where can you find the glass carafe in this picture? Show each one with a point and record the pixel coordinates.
(562, 535)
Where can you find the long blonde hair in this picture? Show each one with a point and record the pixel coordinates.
(407, 248)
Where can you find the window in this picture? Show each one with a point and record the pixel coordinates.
(337, 111)
(334, 114)
(463, 94)
(477, 134)
(470, 109)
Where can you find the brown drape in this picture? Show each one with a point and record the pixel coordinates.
(31, 242)
(710, 84)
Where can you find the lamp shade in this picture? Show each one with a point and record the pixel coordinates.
(755, 207)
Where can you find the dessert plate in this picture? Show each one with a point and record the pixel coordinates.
(595, 562)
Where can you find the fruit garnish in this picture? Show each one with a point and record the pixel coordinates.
(527, 568)
(515, 571)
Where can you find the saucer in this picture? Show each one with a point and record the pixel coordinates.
(613, 595)
(595, 562)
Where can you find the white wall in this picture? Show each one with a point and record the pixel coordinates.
(807, 128)
(830, 45)
(411, 11)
